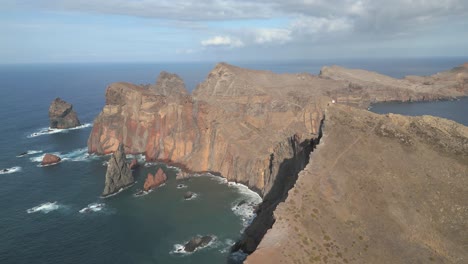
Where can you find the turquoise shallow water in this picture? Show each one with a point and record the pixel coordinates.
(128, 229)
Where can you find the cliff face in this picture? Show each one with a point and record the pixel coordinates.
(237, 118)
(258, 128)
(233, 134)
(378, 189)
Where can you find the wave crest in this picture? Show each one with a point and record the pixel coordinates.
(48, 130)
(45, 208)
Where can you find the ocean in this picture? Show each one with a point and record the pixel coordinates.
(40, 218)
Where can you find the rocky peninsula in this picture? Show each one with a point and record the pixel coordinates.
(260, 128)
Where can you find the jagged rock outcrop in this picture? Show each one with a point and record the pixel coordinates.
(380, 189)
(258, 128)
(62, 115)
(169, 84)
(197, 242)
(50, 159)
(155, 181)
(236, 118)
(118, 174)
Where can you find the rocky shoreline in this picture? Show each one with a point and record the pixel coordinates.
(253, 127)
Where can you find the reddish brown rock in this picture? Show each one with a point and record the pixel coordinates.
(62, 115)
(237, 119)
(154, 181)
(134, 164)
(50, 159)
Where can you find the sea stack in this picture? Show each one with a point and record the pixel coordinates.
(154, 181)
(62, 115)
(118, 173)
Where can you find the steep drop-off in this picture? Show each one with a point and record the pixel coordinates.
(236, 118)
(378, 189)
(258, 128)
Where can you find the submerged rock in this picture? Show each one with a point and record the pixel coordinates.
(154, 181)
(62, 115)
(118, 173)
(197, 242)
(188, 195)
(50, 159)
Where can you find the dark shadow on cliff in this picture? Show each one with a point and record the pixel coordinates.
(285, 179)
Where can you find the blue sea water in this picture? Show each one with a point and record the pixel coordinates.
(40, 219)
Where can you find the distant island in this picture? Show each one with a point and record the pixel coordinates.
(339, 184)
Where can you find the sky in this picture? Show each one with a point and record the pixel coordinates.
(56, 31)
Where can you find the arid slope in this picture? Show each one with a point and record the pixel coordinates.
(378, 189)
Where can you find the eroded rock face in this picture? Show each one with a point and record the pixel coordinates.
(380, 189)
(50, 159)
(257, 128)
(62, 115)
(118, 173)
(169, 84)
(236, 120)
(155, 181)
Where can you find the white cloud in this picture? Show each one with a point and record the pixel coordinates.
(314, 25)
(272, 35)
(222, 41)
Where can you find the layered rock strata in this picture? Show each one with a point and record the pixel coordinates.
(253, 127)
(62, 115)
(380, 189)
(118, 174)
(237, 118)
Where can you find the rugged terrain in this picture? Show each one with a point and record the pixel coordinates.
(259, 128)
(378, 189)
(62, 115)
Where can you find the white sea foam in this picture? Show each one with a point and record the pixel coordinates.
(93, 207)
(226, 245)
(217, 179)
(80, 154)
(244, 207)
(48, 130)
(45, 208)
(179, 248)
(10, 170)
(194, 196)
(181, 186)
(119, 191)
(29, 152)
(139, 157)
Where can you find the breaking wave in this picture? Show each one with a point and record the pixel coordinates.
(29, 152)
(179, 249)
(10, 170)
(45, 208)
(75, 155)
(48, 130)
(92, 207)
(244, 207)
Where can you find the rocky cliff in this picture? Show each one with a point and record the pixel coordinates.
(378, 189)
(62, 115)
(254, 127)
(237, 119)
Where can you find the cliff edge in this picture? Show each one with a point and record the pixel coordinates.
(378, 189)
